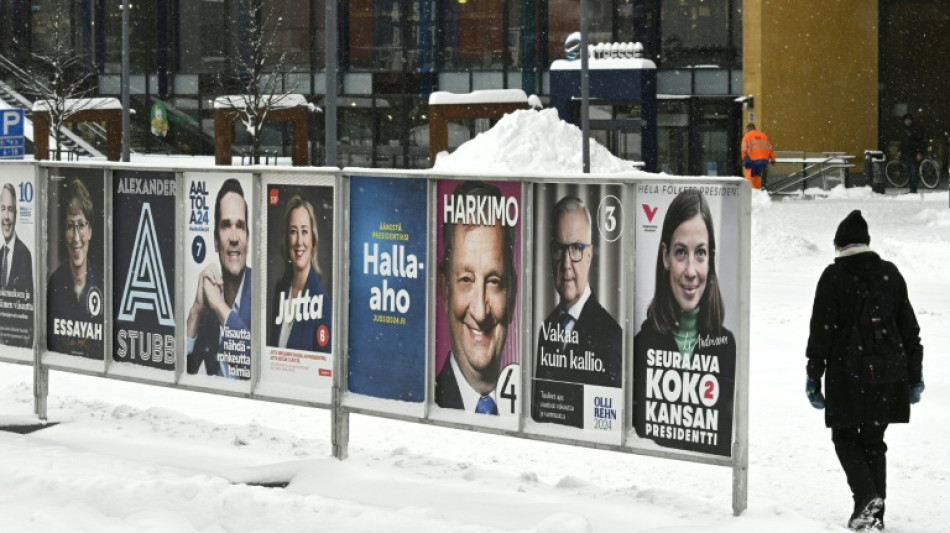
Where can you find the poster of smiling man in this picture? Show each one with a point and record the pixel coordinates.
(18, 225)
(684, 356)
(298, 323)
(218, 278)
(578, 309)
(144, 268)
(477, 354)
(76, 227)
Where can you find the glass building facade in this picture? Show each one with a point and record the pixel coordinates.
(394, 53)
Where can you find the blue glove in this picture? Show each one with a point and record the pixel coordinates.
(813, 392)
(915, 391)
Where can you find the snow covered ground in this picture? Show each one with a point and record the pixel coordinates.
(127, 457)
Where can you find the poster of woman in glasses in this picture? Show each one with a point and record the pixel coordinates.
(578, 366)
(75, 298)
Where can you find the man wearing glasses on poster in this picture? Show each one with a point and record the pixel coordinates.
(579, 341)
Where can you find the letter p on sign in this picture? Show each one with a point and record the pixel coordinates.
(11, 122)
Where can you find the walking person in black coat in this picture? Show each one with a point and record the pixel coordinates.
(863, 393)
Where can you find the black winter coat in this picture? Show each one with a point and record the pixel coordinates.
(849, 403)
(912, 142)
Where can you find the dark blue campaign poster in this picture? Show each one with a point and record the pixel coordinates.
(387, 333)
(144, 268)
(76, 227)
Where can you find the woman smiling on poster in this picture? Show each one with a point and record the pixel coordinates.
(75, 288)
(301, 307)
(684, 359)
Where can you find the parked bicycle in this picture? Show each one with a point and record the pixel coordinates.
(928, 173)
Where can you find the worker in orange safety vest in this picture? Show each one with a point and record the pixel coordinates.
(756, 154)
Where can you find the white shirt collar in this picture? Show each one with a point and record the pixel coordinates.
(575, 310)
(469, 395)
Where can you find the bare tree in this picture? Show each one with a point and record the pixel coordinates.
(59, 76)
(260, 71)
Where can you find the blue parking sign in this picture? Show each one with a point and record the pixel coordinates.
(11, 134)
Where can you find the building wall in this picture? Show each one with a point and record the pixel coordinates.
(812, 66)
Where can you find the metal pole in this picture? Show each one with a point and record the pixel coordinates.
(585, 89)
(125, 81)
(331, 76)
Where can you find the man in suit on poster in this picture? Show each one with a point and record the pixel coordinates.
(578, 327)
(16, 265)
(223, 295)
(478, 284)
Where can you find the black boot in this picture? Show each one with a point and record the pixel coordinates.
(863, 516)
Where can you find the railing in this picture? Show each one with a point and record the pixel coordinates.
(812, 168)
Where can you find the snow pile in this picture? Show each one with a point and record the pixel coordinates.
(528, 140)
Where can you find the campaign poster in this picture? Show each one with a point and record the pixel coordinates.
(143, 255)
(18, 223)
(477, 341)
(298, 321)
(76, 227)
(218, 276)
(578, 309)
(387, 307)
(686, 316)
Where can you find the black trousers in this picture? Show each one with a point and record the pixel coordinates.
(862, 453)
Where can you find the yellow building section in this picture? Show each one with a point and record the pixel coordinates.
(812, 68)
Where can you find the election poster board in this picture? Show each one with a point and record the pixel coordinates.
(75, 262)
(387, 288)
(144, 275)
(686, 316)
(18, 222)
(578, 310)
(477, 338)
(297, 360)
(219, 279)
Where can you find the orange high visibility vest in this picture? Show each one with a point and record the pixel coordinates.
(756, 144)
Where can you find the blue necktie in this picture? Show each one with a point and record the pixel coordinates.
(486, 406)
(566, 321)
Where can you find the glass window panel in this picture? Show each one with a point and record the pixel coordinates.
(186, 84)
(712, 81)
(697, 32)
(454, 82)
(564, 19)
(674, 81)
(358, 83)
(390, 35)
(486, 80)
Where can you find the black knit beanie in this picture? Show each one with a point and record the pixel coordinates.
(852, 230)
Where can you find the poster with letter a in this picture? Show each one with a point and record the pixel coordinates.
(686, 316)
(477, 340)
(75, 298)
(578, 311)
(143, 270)
(387, 310)
(18, 201)
(297, 360)
(218, 277)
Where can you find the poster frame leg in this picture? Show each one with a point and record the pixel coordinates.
(40, 390)
(341, 433)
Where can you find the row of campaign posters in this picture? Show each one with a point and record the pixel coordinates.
(460, 305)
(218, 278)
(684, 306)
